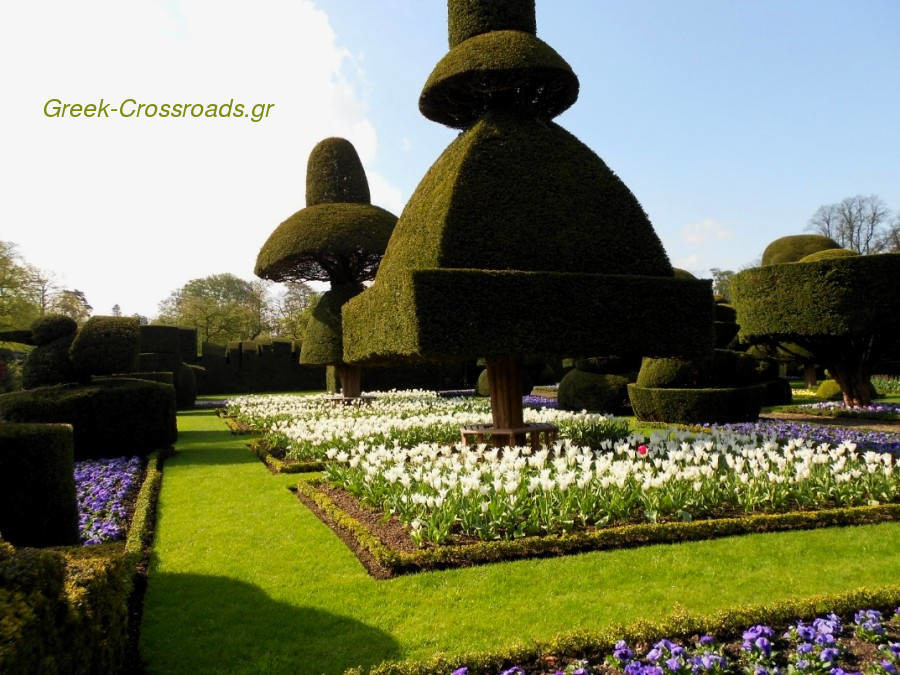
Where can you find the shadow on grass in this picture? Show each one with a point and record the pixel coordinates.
(201, 457)
(194, 623)
(205, 436)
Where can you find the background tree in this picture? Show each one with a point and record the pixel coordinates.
(18, 305)
(71, 303)
(116, 310)
(858, 223)
(722, 282)
(222, 307)
(292, 309)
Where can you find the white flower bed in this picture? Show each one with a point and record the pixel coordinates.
(489, 494)
(308, 426)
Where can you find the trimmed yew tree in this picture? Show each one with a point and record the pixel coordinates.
(519, 241)
(844, 310)
(339, 238)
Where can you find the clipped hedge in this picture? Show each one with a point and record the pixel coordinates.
(830, 390)
(467, 18)
(187, 344)
(828, 254)
(441, 557)
(65, 610)
(335, 175)
(158, 362)
(161, 339)
(674, 372)
(445, 314)
(49, 364)
(681, 625)
(38, 506)
(106, 345)
(110, 418)
(696, 406)
(164, 377)
(52, 327)
(835, 298)
(498, 70)
(324, 334)
(581, 390)
(794, 247)
(778, 392)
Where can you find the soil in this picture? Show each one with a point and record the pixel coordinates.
(884, 426)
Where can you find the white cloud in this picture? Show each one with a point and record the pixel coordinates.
(704, 232)
(128, 210)
(406, 144)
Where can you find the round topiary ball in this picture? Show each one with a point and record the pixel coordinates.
(52, 327)
(672, 372)
(335, 175)
(829, 254)
(580, 390)
(829, 390)
(795, 247)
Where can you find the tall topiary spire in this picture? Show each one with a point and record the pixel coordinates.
(339, 237)
(519, 240)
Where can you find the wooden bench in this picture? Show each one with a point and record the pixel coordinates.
(350, 400)
(536, 434)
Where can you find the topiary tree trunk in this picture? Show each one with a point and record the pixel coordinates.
(505, 377)
(809, 376)
(351, 380)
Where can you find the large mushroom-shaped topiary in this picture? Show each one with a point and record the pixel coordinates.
(339, 237)
(843, 309)
(519, 241)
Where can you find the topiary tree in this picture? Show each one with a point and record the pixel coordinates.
(48, 363)
(843, 310)
(340, 238)
(106, 345)
(519, 241)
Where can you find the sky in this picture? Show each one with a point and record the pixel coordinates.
(731, 121)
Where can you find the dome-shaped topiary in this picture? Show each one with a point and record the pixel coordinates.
(581, 390)
(335, 175)
(795, 247)
(682, 274)
(52, 327)
(674, 372)
(468, 18)
(49, 364)
(828, 254)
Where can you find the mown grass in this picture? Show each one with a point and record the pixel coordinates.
(244, 579)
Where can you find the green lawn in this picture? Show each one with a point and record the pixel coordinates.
(244, 579)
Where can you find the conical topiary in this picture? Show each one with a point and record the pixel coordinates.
(519, 240)
(339, 237)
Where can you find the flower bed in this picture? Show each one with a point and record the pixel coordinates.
(105, 488)
(876, 411)
(866, 641)
(886, 384)
(439, 491)
(304, 428)
(784, 430)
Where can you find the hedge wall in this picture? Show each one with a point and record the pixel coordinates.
(110, 417)
(106, 345)
(161, 339)
(38, 506)
(696, 406)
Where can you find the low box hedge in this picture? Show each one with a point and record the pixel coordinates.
(38, 506)
(67, 610)
(642, 534)
(275, 464)
(696, 406)
(681, 625)
(110, 417)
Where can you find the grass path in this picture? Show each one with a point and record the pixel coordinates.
(245, 579)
